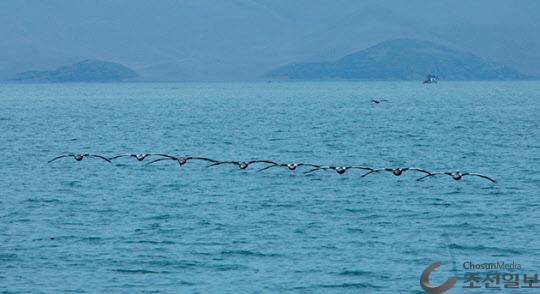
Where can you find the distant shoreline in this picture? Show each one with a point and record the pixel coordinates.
(285, 81)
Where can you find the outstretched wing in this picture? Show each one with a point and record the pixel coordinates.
(160, 154)
(481, 176)
(159, 159)
(118, 156)
(419, 170)
(428, 175)
(61, 156)
(308, 164)
(201, 158)
(223, 162)
(261, 161)
(368, 173)
(360, 167)
(375, 171)
(99, 156)
(316, 168)
(270, 166)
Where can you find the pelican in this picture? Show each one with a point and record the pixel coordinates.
(339, 169)
(140, 156)
(79, 157)
(396, 171)
(290, 166)
(182, 160)
(458, 176)
(242, 164)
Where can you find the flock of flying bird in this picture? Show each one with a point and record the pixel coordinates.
(271, 164)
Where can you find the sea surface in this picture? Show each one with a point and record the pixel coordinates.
(130, 227)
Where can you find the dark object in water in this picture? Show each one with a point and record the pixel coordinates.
(431, 79)
(378, 101)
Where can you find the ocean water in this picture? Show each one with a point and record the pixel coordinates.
(129, 227)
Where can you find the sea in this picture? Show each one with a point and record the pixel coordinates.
(134, 227)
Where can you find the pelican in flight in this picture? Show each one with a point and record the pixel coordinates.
(242, 164)
(290, 166)
(182, 160)
(458, 176)
(79, 157)
(396, 171)
(140, 156)
(378, 101)
(339, 169)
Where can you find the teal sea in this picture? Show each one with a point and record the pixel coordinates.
(130, 227)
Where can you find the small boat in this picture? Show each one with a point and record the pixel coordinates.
(431, 79)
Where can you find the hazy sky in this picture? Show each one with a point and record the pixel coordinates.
(243, 39)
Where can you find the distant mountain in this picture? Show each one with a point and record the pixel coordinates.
(401, 59)
(85, 71)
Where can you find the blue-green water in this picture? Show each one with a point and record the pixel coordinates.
(129, 227)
